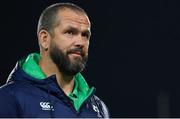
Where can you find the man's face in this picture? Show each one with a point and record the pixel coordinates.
(70, 42)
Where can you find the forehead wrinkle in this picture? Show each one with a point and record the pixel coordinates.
(70, 15)
(71, 20)
(69, 23)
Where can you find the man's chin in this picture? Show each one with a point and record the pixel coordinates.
(74, 69)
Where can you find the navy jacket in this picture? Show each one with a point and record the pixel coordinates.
(22, 96)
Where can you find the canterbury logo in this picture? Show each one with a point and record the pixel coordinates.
(46, 106)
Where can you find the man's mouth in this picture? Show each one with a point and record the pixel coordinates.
(76, 53)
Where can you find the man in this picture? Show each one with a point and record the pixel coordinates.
(49, 84)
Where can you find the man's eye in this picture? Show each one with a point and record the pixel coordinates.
(86, 35)
(69, 32)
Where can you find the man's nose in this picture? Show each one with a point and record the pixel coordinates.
(79, 42)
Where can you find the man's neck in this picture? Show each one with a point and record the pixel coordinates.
(49, 68)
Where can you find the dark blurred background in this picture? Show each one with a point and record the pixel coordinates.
(134, 60)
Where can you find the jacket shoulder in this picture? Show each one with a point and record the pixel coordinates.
(11, 87)
(8, 101)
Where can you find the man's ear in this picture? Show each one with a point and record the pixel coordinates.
(44, 39)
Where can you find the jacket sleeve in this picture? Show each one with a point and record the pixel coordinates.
(105, 110)
(8, 104)
(102, 107)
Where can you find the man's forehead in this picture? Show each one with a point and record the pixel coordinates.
(75, 23)
(74, 17)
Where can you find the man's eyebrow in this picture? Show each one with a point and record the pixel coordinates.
(88, 31)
